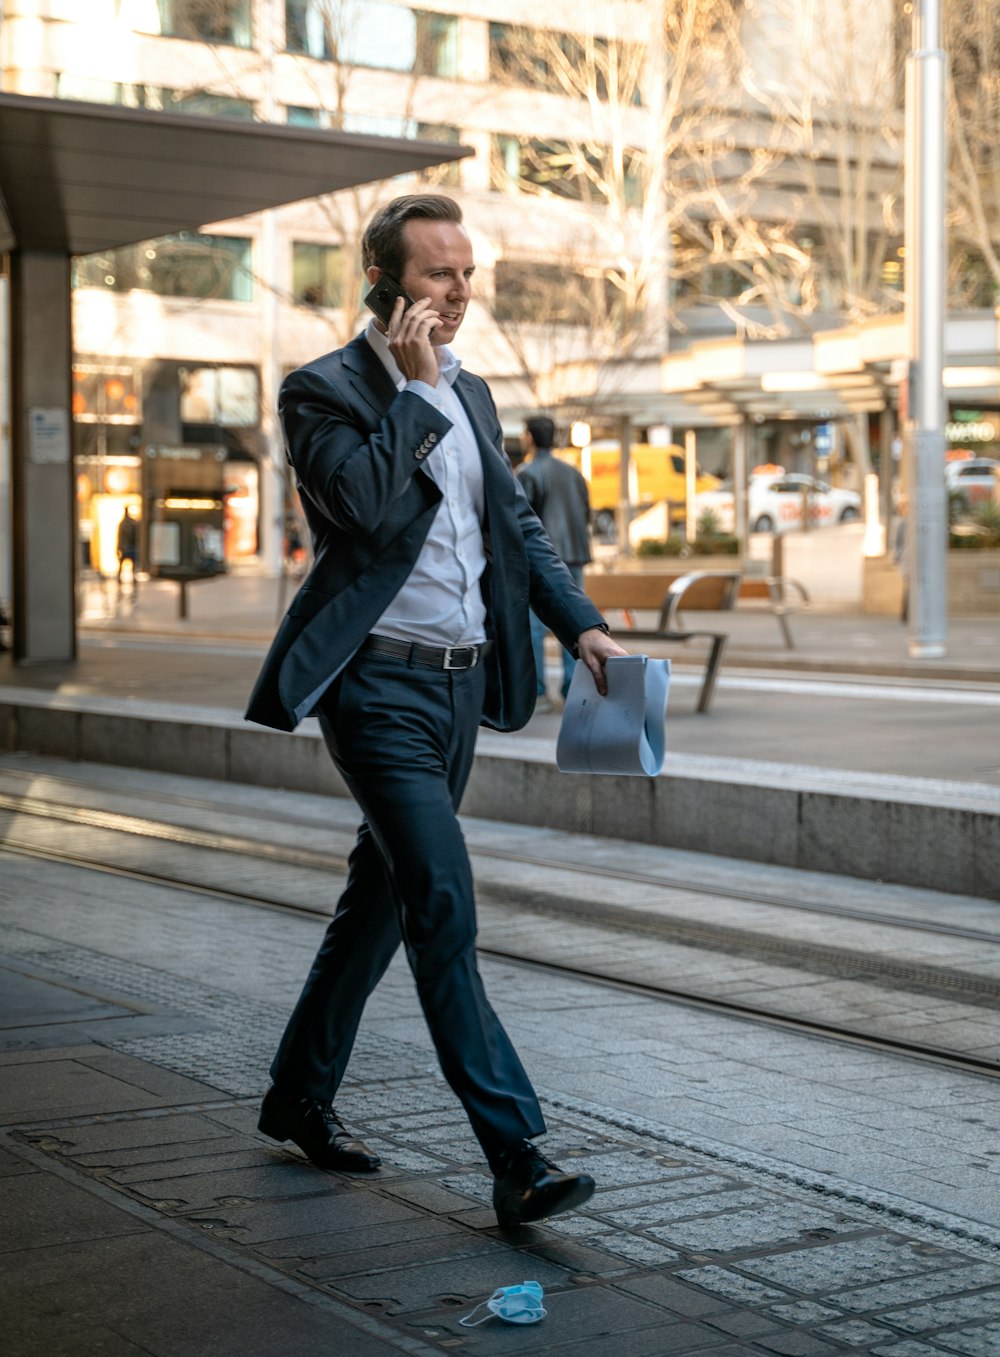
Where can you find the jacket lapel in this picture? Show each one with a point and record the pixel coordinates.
(368, 376)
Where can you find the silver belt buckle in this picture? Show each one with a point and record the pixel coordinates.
(451, 650)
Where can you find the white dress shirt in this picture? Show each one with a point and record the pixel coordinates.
(441, 602)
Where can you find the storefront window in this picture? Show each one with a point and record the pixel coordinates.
(317, 274)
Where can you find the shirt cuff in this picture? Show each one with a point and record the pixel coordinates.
(425, 391)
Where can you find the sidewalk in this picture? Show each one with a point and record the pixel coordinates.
(145, 1214)
(249, 607)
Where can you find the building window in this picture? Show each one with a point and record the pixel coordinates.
(437, 45)
(217, 21)
(449, 174)
(560, 63)
(564, 169)
(184, 265)
(377, 34)
(317, 274)
(201, 102)
(537, 293)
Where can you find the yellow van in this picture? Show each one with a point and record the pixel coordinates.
(654, 474)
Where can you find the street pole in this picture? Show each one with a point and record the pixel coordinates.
(926, 532)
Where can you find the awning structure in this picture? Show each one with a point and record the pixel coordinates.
(79, 177)
(76, 178)
(833, 374)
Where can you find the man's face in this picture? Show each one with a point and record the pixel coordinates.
(439, 266)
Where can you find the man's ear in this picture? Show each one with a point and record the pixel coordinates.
(373, 273)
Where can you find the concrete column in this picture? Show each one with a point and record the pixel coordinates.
(41, 457)
(741, 441)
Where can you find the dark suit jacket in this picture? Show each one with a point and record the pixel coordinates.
(358, 448)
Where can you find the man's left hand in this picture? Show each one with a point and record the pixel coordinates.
(596, 646)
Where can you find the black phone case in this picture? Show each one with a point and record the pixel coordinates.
(382, 298)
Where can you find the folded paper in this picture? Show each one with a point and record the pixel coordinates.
(623, 732)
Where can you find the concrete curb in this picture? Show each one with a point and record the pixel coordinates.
(935, 834)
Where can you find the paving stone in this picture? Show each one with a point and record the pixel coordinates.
(795, 1343)
(583, 1258)
(980, 1342)
(846, 1263)
(985, 1305)
(584, 1313)
(133, 1132)
(803, 1312)
(472, 1278)
(351, 1240)
(187, 1302)
(906, 1349)
(730, 1286)
(673, 1295)
(442, 1249)
(693, 1205)
(12, 1165)
(428, 1195)
(924, 1287)
(287, 1178)
(243, 1155)
(302, 1218)
(40, 1211)
(771, 1224)
(855, 1332)
(639, 1250)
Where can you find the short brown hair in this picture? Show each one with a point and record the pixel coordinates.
(382, 242)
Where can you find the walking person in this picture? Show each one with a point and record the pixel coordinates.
(127, 547)
(411, 630)
(560, 497)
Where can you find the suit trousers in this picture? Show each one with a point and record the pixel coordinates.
(403, 738)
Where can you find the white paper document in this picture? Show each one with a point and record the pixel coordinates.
(622, 733)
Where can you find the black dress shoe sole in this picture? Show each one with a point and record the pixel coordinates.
(548, 1203)
(324, 1159)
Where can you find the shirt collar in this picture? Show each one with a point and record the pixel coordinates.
(449, 363)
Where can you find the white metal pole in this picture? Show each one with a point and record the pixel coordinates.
(926, 533)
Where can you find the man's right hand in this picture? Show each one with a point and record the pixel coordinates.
(409, 337)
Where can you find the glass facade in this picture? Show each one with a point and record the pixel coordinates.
(187, 264)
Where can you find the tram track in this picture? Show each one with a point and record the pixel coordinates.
(937, 980)
(325, 860)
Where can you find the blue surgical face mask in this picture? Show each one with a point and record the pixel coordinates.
(516, 1304)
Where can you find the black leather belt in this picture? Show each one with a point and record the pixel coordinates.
(428, 657)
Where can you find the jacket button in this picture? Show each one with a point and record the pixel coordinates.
(432, 438)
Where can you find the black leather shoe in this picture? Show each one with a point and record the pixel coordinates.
(317, 1130)
(530, 1187)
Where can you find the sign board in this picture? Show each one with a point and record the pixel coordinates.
(48, 436)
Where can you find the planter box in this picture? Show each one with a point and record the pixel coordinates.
(973, 585)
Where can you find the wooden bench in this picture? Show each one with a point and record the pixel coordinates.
(628, 591)
(702, 591)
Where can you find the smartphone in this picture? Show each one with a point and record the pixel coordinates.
(382, 298)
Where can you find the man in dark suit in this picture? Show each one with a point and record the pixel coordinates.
(560, 497)
(410, 631)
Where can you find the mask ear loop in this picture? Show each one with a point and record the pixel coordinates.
(471, 1323)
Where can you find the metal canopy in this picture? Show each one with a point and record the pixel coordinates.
(79, 177)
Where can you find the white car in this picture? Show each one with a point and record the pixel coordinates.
(975, 480)
(776, 504)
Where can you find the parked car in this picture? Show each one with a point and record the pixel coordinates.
(776, 503)
(975, 480)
